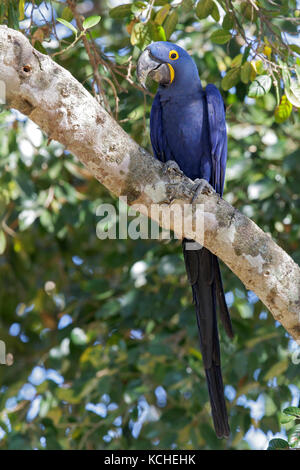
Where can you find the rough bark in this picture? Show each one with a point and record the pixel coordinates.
(66, 112)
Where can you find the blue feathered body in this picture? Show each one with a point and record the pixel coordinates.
(187, 125)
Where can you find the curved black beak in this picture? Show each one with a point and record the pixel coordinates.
(148, 65)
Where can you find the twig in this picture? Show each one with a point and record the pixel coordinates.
(94, 64)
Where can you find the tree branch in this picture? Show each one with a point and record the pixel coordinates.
(66, 112)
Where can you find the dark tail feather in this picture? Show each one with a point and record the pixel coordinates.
(224, 313)
(217, 401)
(204, 275)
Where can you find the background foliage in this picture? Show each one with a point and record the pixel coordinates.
(103, 333)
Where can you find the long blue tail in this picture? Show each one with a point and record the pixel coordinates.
(204, 275)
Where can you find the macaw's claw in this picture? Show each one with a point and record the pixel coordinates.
(201, 186)
(170, 166)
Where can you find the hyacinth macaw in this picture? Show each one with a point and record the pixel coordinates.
(187, 126)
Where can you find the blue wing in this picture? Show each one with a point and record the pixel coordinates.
(217, 133)
(156, 131)
(218, 136)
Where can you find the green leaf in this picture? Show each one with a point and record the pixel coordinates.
(291, 86)
(196, 353)
(160, 3)
(292, 411)
(248, 11)
(160, 34)
(277, 369)
(293, 92)
(171, 23)
(46, 221)
(142, 34)
(228, 21)
(13, 16)
(258, 65)
(270, 407)
(162, 14)
(237, 61)
(21, 9)
(246, 72)
(91, 21)
(285, 419)
(277, 444)
(215, 12)
(246, 54)
(68, 25)
(67, 14)
(137, 8)
(204, 8)
(121, 11)
(295, 48)
(187, 5)
(260, 86)
(294, 436)
(221, 36)
(231, 78)
(2, 11)
(68, 395)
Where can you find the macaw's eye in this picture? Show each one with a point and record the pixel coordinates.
(173, 55)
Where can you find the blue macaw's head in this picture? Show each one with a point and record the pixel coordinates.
(168, 64)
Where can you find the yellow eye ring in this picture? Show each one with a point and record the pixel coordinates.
(173, 55)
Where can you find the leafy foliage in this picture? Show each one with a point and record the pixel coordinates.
(103, 333)
(289, 418)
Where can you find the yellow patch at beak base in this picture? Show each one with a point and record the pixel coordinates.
(172, 73)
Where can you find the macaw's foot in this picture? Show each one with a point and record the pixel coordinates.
(170, 166)
(201, 186)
